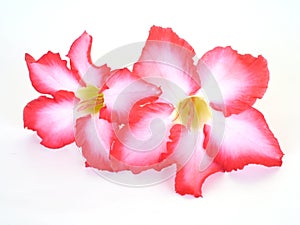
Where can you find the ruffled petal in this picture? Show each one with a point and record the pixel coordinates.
(123, 91)
(167, 60)
(191, 173)
(80, 60)
(95, 137)
(236, 80)
(247, 140)
(51, 118)
(141, 144)
(190, 179)
(50, 74)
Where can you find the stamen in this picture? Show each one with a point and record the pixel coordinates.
(91, 101)
(193, 112)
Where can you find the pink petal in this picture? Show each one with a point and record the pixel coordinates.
(125, 90)
(191, 174)
(190, 179)
(95, 137)
(50, 74)
(51, 118)
(247, 140)
(141, 144)
(240, 79)
(80, 59)
(169, 58)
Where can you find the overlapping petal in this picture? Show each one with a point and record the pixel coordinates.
(80, 60)
(141, 144)
(52, 118)
(189, 157)
(167, 56)
(142, 120)
(123, 91)
(247, 140)
(50, 74)
(95, 137)
(190, 178)
(241, 79)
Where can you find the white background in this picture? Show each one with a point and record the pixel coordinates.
(52, 187)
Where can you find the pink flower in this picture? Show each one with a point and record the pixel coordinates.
(138, 149)
(51, 115)
(84, 98)
(169, 110)
(96, 133)
(221, 132)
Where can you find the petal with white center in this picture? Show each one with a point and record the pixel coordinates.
(50, 74)
(232, 81)
(80, 60)
(95, 137)
(141, 144)
(247, 140)
(189, 158)
(51, 118)
(124, 90)
(168, 57)
(190, 179)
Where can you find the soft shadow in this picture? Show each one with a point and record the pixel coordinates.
(253, 173)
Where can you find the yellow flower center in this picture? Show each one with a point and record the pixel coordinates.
(91, 101)
(193, 112)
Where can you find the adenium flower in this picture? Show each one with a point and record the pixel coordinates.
(77, 96)
(169, 110)
(241, 79)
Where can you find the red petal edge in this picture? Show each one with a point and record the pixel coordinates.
(247, 140)
(190, 176)
(95, 137)
(80, 60)
(167, 56)
(50, 74)
(51, 118)
(241, 79)
(189, 180)
(141, 144)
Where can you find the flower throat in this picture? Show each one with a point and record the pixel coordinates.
(91, 101)
(193, 112)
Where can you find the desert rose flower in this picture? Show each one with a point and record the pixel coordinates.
(78, 102)
(167, 61)
(170, 109)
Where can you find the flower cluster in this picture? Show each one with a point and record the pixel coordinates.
(168, 109)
